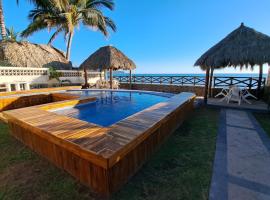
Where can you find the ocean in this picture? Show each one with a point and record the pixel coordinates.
(200, 75)
(241, 79)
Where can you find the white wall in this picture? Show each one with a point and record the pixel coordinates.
(75, 76)
(41, 75)
(15, 74)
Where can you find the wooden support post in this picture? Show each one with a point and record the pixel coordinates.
(105, 74)
(130, 86)
(210, 83)
(111, 74)
(268, 77)
(85, 78)
(260, 82)
(206, 85)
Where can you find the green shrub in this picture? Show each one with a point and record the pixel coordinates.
(54, 74)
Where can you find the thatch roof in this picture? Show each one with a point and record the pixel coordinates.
(108, 57)
(25, 54)
(242, 47)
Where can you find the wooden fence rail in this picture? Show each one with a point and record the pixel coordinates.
(244, 82)
(166, 80)
(218, 82)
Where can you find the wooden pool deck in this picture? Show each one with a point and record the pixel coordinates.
(103, 158)
(254, 106)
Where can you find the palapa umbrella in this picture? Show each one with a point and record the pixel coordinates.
(25, 54)
(244, 47)
(108, 58)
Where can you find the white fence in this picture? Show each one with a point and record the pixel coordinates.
(11, 77)
(77, 77)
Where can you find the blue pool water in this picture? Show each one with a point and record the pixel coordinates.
(112, 107)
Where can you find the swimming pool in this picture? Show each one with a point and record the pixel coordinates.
(110, 106)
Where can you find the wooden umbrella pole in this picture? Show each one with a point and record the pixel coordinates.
(206, 85)
(130, 86)
(268, 77)
(85, 78)
(210, 82)
(111, 77)
(105, 74)
(260, 81)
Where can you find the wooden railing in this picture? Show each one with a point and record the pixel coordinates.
(217, 82)
(165, 80)
(245, 82)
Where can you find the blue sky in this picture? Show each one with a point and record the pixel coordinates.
(161, 36)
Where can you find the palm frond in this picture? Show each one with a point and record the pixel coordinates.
(100, 3)
(12, 35)
(54, 35)
(110, 23)
(41, 3)
(69, 21)
(34, 27)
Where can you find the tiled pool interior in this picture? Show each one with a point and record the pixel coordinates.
(111, 107)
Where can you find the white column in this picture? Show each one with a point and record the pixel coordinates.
(17, 87)
(27, 86)
(8, 87)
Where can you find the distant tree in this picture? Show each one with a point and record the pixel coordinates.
(66, 15)
(11, 35)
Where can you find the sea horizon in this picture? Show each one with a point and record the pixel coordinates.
(191, 74)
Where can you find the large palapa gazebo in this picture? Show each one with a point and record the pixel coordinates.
(244, 47)
(25, 54)
(108, 58)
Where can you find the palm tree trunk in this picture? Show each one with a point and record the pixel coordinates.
(69, 45)
(2, 21)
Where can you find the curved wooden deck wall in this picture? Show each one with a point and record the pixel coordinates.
(41, 90)
(101, 158)
(22, 101)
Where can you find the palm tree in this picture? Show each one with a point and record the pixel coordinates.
(12, 35)
(66, 15)
(2, 21)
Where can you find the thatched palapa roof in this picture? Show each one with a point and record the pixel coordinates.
(25, 54)
(242, 47)
(108, 57)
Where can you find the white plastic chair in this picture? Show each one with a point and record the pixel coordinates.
(234, 95)
(224, 93)
(107, 84)
(99, 84)
(115, 84)
(246, 94)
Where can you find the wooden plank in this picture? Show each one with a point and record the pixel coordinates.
(66, 103)
(39, 90)
(15, 102)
